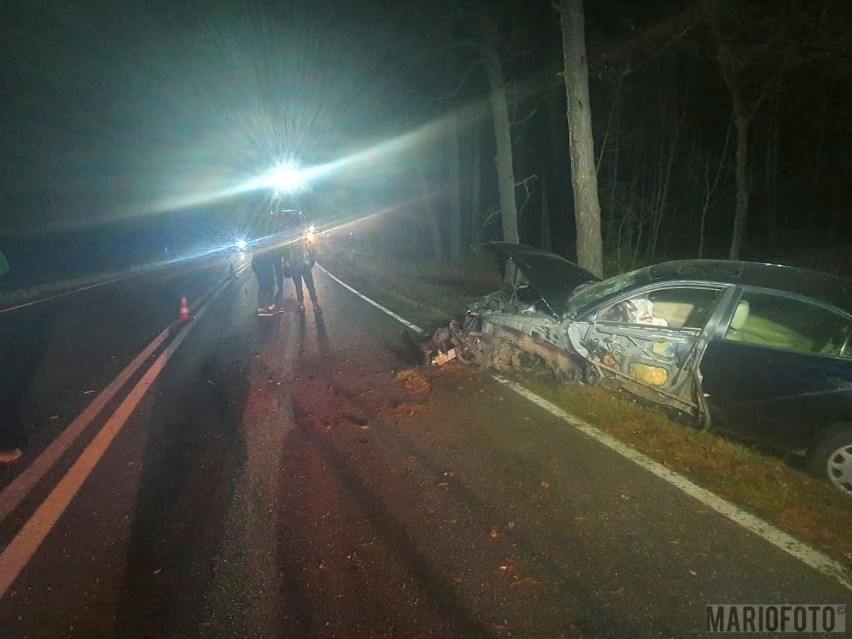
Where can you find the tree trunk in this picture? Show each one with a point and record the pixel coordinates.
(431, 217)
(475, 187)
(666, 181)
(741, 123)
(771, 170)
(546, 242)
(502, 132)
(613, 186)
(558, 137)
(587, 208)
(455, 184)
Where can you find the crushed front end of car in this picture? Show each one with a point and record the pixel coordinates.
(497, 333)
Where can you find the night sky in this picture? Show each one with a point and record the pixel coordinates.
(121, 116)
(123, 109)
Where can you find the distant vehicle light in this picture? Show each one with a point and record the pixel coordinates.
(241, 244)
(286, 178)
(311, 233)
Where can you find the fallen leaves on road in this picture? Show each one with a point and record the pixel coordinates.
(413, 381)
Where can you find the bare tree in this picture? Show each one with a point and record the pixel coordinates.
(707, 172)
(587, 208)
(455, 184)
(502, 129)
(772, 52)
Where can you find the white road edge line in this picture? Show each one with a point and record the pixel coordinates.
(789, 544)
(20, 550)
(806, 554)
(399, 319)
(18, 488)
(55, 296)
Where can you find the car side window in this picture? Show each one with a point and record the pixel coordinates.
(791, 324)
(673, 307)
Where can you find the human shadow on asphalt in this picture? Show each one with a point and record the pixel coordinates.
(594, 617)
(194, 455)
(438, 588)
(322, 335)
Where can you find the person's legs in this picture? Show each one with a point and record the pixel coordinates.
(312, 291)
(266, 286)
(279, 280)
(256, 267)
(265, 282)
(12, 392)
(23, 341)
(300, 294)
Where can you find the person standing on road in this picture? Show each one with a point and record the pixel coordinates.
(279, 256)
(24, 335)
(263, 265)
(301, 261)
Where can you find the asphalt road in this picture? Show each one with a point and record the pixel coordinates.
(282, 478)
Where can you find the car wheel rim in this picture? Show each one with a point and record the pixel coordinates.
(840, 468)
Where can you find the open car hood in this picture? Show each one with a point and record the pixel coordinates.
(554, 278)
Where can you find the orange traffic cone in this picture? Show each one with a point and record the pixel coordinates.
(184, 310)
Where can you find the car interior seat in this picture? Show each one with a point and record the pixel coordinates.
(738, 321)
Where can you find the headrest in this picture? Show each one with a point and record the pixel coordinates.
(740, 315)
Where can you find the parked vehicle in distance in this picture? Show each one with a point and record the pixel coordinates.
(761, 351)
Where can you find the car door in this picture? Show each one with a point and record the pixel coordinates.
(779, 369)
(647, 340)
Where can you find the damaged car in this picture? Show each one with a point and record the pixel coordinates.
(760, 351)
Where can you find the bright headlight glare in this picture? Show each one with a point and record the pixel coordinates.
(286, 178)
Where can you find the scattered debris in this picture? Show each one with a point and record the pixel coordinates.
(477, 343)
(442, 358)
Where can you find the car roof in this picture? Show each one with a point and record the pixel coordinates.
(829, 289)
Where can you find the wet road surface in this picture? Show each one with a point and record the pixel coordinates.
(292, 476)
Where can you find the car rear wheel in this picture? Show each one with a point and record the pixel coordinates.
(830, 458)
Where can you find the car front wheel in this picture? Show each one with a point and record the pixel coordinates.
(830, 458)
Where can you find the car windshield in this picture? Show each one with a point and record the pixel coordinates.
(590, 294)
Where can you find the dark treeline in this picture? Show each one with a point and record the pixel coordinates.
(721, 128)
(702, 112)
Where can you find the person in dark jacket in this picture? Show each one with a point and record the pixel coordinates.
(24, 336)
(301, 261)
(263, 265)
(279, 259)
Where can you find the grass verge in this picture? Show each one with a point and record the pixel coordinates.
(759, 482)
